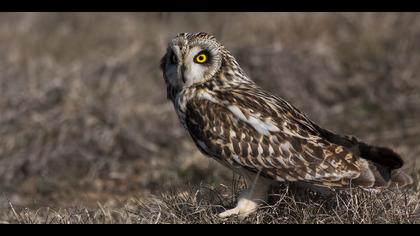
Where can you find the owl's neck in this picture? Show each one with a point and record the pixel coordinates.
(231, 71)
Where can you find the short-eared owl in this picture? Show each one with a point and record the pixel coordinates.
(259, 135)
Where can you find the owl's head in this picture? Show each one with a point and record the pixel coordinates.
(191, 58)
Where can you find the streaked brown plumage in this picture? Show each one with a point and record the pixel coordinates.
(236, 122)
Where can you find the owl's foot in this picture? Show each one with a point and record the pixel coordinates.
(248, 202)
(244, 208)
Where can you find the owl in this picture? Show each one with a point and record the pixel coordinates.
(261, 136)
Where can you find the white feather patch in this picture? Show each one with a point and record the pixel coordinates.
(207, 96)
(260, 160)
(279, 159)
(259, 125)
(285, 147)
(278, 178)
(236, 158)
(270, 150)
(308, 177)
(260, 149)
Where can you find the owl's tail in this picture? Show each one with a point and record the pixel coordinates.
(382, 164)
(383, 169)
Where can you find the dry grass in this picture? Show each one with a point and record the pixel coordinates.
(200, 205)
(85, 126)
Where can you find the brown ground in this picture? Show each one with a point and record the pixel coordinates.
(87, 135)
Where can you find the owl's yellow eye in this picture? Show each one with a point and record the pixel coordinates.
(201, 58)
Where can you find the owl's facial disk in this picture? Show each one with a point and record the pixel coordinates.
(186, 66)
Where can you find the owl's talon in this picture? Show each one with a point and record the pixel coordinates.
(228, 213)
(248, 201)
(244, 208)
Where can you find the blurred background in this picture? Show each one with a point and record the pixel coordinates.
(83, 110)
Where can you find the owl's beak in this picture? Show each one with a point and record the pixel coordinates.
(183, 68)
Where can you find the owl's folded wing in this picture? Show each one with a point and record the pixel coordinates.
(266, 138)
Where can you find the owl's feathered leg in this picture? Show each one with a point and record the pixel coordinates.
(250, 198)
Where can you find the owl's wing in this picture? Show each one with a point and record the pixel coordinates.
(265, 135)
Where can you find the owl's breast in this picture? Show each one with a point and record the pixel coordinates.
(180, 103)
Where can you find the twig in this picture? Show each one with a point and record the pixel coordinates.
(15, 213)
